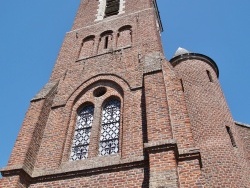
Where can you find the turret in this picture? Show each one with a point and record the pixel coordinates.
(212, 124)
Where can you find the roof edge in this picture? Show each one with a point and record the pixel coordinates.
(158, 15)
(178, 59)
(242, 124)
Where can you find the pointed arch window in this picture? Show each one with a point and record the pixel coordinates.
(110, 127)
(82, 134)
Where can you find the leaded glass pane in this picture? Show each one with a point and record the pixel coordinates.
(109, 147)
(109, 139)
(80, 144)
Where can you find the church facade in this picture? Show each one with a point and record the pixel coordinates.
(116, 113)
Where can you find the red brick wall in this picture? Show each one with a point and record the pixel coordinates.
(87, 48)
(124, 37)
(244, 136)
(161, 127)
(14, 181)
(209, 115)
(179, 117)
(126, 178)
(163, 169)
(11, 182)
(190, 174)
(158, 123)
(145, 39)
(29, 138)
(88, 10)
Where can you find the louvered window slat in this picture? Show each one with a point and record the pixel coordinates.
(112, 7)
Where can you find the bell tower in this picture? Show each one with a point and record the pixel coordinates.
(114, 112)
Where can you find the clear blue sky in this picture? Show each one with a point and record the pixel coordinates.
(32, 32)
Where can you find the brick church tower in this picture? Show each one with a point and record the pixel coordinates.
(116, 113)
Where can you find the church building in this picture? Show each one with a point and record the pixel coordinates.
(116, 113)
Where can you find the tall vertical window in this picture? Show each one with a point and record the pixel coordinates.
(112, 7)
(231, 136)
(110, 128)
(106, 41)
(182, 86)
(81, 140)
(209, 76)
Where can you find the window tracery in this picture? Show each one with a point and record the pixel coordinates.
(82, 133)
(110, 128)
(99, 118)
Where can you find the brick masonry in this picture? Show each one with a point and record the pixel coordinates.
(173, 114)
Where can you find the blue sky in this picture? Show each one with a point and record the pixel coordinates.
(32, 32)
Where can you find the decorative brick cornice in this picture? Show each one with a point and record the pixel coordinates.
(63, 173)
(150, 146)
(7, 172)
(171, 144)
(89, 172)
(189, 154)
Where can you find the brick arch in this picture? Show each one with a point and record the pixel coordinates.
(124, 27)
(124, 36)
(106, 32)
(119, 81)
(87, 47)
(111, 97)
(101, 82)
(86, 103)
(105, 41)
(83, 95)
(65, 94)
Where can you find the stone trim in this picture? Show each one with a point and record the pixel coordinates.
(101, 9)
(189, 154)
(58, 103)
(152, 62)
(171, 144)
(153, 144)
(109, 20)
(50, 87)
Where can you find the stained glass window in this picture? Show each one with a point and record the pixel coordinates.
(80, 144)
(109, 139)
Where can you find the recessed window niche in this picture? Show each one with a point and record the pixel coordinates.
(100, 91)
(87, 47)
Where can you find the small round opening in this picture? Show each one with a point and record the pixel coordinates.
(100, 91)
